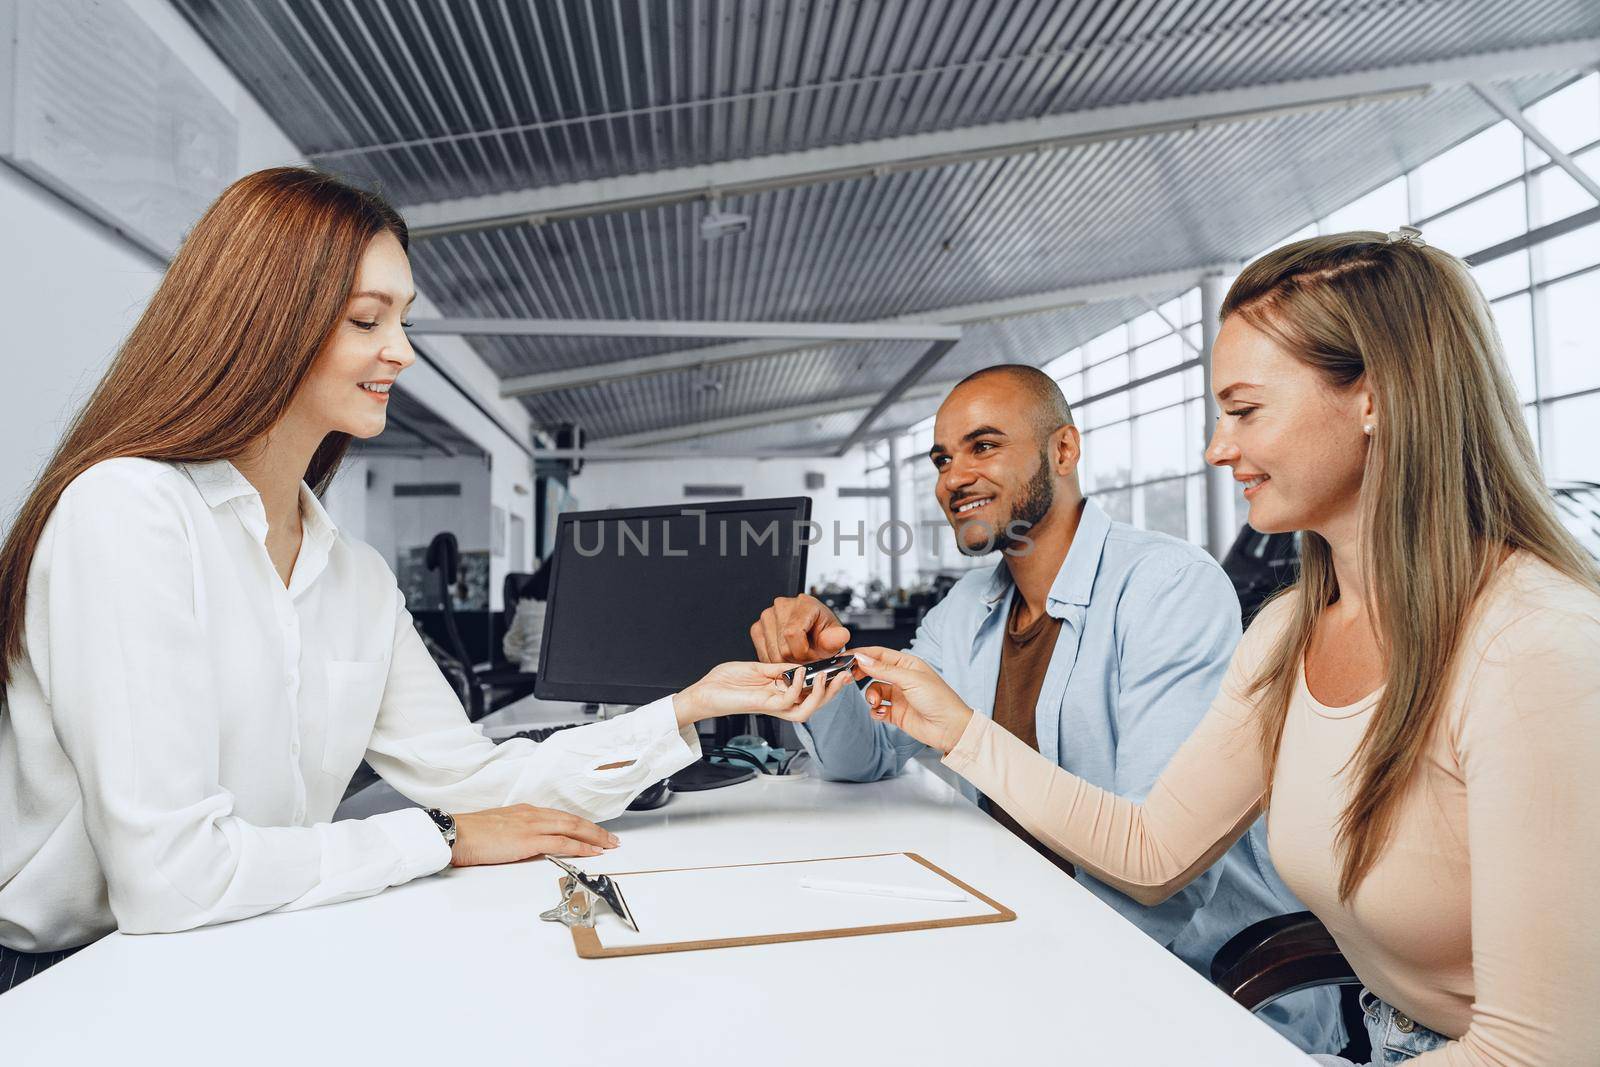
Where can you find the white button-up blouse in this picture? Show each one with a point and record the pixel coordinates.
(181, 726)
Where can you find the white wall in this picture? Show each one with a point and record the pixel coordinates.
(395, 524)
(639, 484)
(69, 292)
(346, 499)
(511, 469)
(71, 289)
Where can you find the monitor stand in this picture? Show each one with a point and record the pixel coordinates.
(698, 776)
(703, 774)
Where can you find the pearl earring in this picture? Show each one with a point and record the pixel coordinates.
(1367, 429)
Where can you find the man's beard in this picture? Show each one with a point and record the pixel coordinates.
(1038, 495)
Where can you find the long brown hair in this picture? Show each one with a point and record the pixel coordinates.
(213, 363)
(1452, 482)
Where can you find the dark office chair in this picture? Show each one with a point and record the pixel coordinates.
(512, 589)
(488, 688)
(17, 967)
(1283, 955)
(1259, 565)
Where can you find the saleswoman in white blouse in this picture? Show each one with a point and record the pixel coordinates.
(195, 659)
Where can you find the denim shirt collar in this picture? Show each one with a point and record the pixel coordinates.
(1075, 580)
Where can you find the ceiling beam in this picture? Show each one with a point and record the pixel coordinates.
(901, 388)
(1497, 98)
(804, 331)
(639, 366)
(1074, 295)
(1539, 235)
(405, 425)
(758, 419)
(1173, 326)
(960, 315)
(592, 454)
(827, 448)
(947, 147)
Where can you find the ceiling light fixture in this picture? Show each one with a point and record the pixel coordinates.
(718, 223)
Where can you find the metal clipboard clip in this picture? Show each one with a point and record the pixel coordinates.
(577, 908)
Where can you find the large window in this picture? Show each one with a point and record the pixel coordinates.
(1498, 187)
(1142, 448)
(1137, 395)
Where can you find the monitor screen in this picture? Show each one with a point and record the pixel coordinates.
(644, 601)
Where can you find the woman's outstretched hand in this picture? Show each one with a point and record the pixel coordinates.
(908, 693)
(753, 688)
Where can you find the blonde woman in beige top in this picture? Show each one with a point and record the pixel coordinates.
(1419, 715)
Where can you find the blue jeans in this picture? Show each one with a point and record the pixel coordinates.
(1396, 1037)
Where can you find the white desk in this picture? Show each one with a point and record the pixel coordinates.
(530, 712)
(458, 969)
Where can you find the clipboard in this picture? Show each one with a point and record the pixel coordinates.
(695, 908)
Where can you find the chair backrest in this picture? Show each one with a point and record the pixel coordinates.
(1278, 956)
(512, 589)
(444, 558)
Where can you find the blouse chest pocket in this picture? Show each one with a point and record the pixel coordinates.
(355, 690)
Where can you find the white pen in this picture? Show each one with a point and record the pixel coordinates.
(875, 889)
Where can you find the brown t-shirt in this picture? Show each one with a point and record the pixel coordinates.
(1024, 658)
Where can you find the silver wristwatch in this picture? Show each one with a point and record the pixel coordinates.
(446, 824)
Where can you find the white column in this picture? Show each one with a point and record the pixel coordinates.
(894, 511)
(1221, 526)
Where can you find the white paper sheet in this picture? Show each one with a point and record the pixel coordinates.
(767, 899)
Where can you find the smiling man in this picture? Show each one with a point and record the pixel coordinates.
(1098, 644)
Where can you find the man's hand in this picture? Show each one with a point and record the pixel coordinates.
(910, 694)
(753, 688)
(797, 629)
(522, 831)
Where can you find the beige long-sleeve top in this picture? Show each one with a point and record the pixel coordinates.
(1478, 918)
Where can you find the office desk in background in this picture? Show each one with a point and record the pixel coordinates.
(457, 968)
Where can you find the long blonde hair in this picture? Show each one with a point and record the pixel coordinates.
(230, 333)
(1452, 482)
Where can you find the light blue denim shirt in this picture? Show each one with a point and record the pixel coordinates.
(1148, 625)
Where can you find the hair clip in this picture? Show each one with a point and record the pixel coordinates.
(1406, 235)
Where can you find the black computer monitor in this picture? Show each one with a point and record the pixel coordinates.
(644, 601)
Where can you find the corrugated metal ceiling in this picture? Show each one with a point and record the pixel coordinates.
(502, 95)
(439, 100)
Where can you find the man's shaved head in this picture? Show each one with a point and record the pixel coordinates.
(1048, 409)
(1005, 449)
